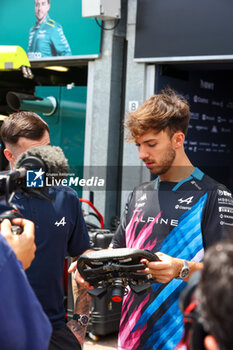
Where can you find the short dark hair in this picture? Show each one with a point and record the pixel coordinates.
(165, 111)
(215, 293)
(23, 124)
(48, 1)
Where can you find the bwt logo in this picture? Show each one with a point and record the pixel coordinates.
(35, 178)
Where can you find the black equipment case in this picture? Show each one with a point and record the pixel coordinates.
(104, 316)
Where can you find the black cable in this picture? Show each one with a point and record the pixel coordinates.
(95, 215)
(104, 28)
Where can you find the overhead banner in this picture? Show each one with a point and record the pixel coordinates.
(184, 30)
(49, 29)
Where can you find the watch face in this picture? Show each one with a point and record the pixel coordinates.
(184, 272)
(84, 320)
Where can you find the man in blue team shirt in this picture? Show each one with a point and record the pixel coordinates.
(46, 38)
(24, 325)
(177, 216)
(60, 230)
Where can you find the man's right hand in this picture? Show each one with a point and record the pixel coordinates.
(23, 245)
(77, 277)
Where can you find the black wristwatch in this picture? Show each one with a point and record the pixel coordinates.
(82, 319)
(184, 272)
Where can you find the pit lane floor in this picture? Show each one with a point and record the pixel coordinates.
(109, 342)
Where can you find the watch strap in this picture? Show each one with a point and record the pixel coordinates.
(184, 272)
(76, 317)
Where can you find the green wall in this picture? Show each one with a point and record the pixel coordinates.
(67, 125)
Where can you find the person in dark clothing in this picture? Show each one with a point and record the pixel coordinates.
(60, 229)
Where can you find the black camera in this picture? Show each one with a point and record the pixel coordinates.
(11, 182)
(10, 215)
(45, 159)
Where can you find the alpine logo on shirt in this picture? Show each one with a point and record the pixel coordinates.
(61, 222)
(184, 202)
(157, 220)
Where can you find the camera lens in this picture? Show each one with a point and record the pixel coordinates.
(118, 291)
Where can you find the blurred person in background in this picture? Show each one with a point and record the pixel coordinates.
(24, 325)
(215, 294)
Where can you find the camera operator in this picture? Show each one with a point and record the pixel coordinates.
(215, 291)
(60, 230)
(24, 325)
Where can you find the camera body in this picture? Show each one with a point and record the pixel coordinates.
(10, 182)
(10, 215)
